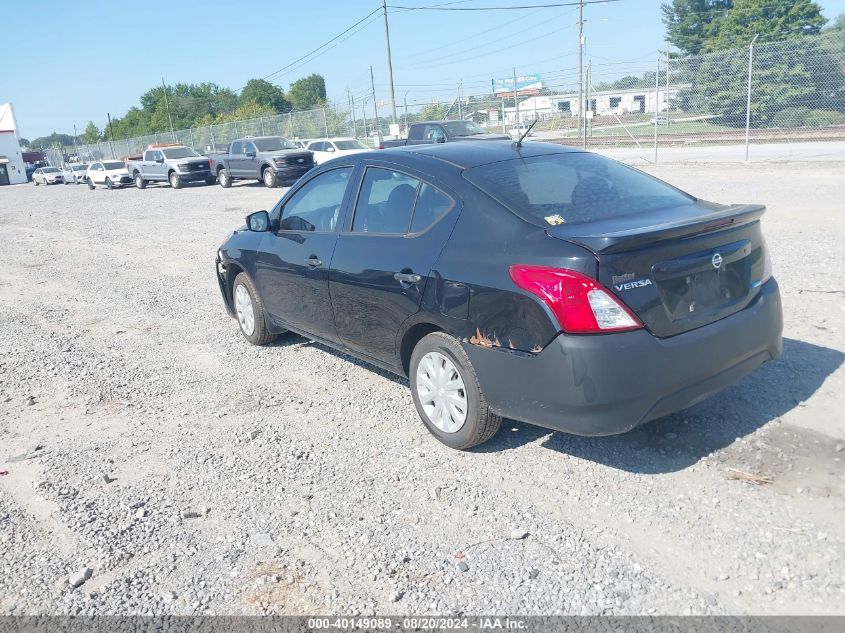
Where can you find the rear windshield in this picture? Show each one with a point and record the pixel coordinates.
(179, 152)
(572, 188)
(273, 144)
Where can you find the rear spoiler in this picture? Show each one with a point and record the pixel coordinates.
(607, 237)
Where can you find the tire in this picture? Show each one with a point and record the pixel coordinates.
(90, 183)
(109, 184)
(439, 352)
(174, 179)
(35, 181)
(254, 330)
(140, 183)
(268, 176)
(224, 178)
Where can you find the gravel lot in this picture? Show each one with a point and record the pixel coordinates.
(158, 464)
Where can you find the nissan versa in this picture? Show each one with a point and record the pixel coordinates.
(534, 282)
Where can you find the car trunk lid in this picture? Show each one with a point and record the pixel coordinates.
(680, 268)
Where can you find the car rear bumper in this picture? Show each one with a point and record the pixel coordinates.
(608, 384)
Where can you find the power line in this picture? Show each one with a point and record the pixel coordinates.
(516, 8)
(322, 46)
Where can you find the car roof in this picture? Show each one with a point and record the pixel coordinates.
(469, 154)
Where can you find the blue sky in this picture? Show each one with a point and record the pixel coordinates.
(70, 62)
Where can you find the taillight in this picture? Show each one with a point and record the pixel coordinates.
(581, 304)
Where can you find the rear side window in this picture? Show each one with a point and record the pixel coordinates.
(237, 148)
(572, 188)
(385, 202)
(432, 204)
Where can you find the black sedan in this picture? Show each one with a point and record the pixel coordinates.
(534, 282)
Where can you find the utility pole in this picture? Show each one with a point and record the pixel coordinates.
(580, 65)
(656, 104)
(75, 146)
(352, 114)
(389, 60)
(405, 99)
(460, 100)
(668, 100)
(167, 105)
(515, 103)
(588, 109)
(375, 104)
(364, 112)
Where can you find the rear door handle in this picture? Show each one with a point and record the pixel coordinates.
(313, 261)
(407, 278)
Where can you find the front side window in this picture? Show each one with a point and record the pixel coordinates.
(574, 187)
(249, 148)
(237, 148)
(385, 202)
(316, 205)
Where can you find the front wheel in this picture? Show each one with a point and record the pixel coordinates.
(249, 310)
(447, 394)
(269, 177)
(224, 178)
(90, 183)
(109, 184)
(35, 182)
(175, 181)
(140, 182)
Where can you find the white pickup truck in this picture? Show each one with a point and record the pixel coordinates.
(175, 164)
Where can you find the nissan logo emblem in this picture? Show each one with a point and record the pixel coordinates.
(716, 261)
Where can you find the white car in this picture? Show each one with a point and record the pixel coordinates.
(74, 174)
(327, 148)
(110, 173)
(46, 176)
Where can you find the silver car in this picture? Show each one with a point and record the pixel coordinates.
(47, 176)
(74, 174)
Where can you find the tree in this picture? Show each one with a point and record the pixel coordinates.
(433, 112)
(308, 92)
(263, 93)
(53, 140)
(837, 24)
(91, 134)
(690, 24)
(23, 142)
(769, 21)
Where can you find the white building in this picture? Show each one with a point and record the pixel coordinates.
(12, 168)
(603, 103)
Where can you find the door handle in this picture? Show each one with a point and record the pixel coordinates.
(406, 279)
(313, 261)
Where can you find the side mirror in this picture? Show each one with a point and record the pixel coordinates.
(160, 161)
(439, 139)
(250, 154)
(330, 148)
(258, 221)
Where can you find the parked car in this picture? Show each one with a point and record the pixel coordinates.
(538, 283)
(109, 173)
(175, 164)
(327, 148)
(74, 174)
(273, 160)
(518, 130)
(47, 176)
(301, 143)
(660, 119)
(427, 132)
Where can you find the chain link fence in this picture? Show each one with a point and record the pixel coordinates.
(787, 91)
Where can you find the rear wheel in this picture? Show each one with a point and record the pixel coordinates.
(447, 394)
(249, 310)
(269, 178)
(109, 184)
(90, 183)
(140, 182)
(224, 178)
(175, 181)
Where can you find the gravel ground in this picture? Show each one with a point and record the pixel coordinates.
(158, 464)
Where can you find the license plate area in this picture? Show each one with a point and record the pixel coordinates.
(701, 285)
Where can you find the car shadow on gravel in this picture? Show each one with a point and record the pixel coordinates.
(677, 441)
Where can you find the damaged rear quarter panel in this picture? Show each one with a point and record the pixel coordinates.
(475, 287)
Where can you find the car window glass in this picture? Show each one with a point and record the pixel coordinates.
(249, 148)
(572, 187)
(432, 204)
(385, 202)
(416, 133)
(237, 148)
(316, 206)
